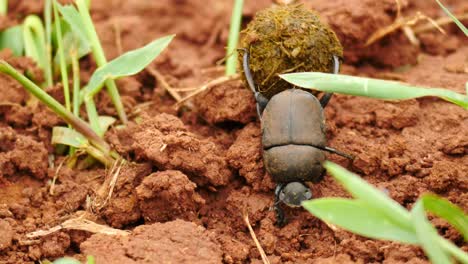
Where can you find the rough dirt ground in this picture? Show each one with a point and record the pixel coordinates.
(197, 169)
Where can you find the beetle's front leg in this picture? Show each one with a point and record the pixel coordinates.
(336, 69)
(262, 101)
(280, 219)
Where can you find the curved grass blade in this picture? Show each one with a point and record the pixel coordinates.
(448, 211)
(363, 191)
(427, 235)
(34, 40)
(127, 64)
(455, 20)
(368, 87)
(360, 218)
(12, 38)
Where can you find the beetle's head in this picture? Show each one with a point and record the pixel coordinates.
(294, 193)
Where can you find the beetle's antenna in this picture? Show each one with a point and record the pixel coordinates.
(336, 69)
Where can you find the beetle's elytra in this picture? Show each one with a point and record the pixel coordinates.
(293, 126)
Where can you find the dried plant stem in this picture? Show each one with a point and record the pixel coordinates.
(265, 260)
(210, 84)
(164, 84)
(79, 224)
(442, 21)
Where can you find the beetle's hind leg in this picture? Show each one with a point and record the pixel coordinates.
(336, 69)
(262, 101)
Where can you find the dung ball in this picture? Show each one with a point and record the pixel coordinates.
(287, 38)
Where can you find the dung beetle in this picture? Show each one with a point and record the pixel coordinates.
(293, 140)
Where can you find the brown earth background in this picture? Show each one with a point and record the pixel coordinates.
(196, 169)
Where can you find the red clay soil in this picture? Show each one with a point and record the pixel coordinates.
(194, 171)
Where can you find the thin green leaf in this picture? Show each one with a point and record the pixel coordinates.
(455, 20)
(448, 211)
(69, 137)
(231, 52)
(360, 218)
(12, 38)
(74, 33)
(48, 41)
(362, 190)
(127, 64)
(427, 235)
(34, 40)
(73, 18)
(61, 53)
(105, 122)
(100, 58)
(368, 87)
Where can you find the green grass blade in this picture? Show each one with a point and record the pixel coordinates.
(12, 38)
(105, 122)
(127, 64)
(93, 115)
(34, 40)
(362, 190)
(455, 20)
(360, 218)
(231, 52)
(368, 87)
(98, 54)
(428, 237)
(76, 82)
(48, 40)
(69, 137)
(448, 211)
(73, 18)
(61, 53)
(3, 7)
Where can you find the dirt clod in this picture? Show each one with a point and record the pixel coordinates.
(168, 195)
(156, 243)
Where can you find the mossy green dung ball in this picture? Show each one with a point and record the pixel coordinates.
(287, 38)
